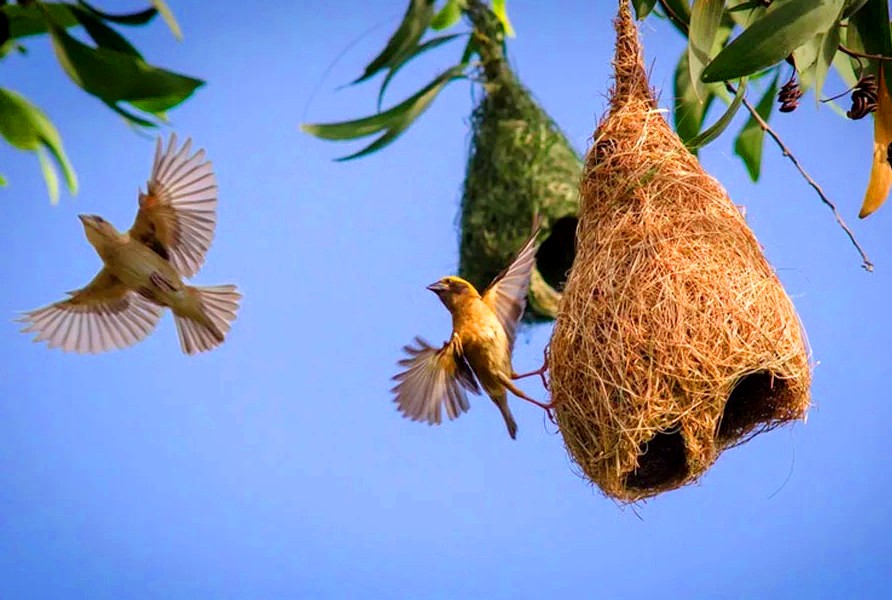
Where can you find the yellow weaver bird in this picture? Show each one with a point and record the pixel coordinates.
(479, 350)
(143, 269)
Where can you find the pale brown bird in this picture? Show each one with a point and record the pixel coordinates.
(143, 269)
(483, 331)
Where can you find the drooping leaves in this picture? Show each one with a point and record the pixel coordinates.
(785, 26)
(416, 20)
(706, 16)
(393, 121)
(750, 141)
(716, 129)
(26, 127)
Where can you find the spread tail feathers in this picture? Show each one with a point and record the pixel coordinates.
(207, 328)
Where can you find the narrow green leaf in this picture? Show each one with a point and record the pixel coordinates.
(829, 45)
(689, 109)
(843, 66)
(868, 31)
(501, 12)
(407, 117)
(114, 76)
(643, 8)
(749, 143)
(3, 182)
(706, 16)
(447, 16)
(102, 34)
(851, 7)
(404, 59)
(722, 123)
(168, 17)
(26, 127)
(131, 118)
(785, 26)
(745, 12)
(471, 48)
(805, 57)
(49, 175)
(138, 18)
(416, 20)
(680, 10)
(31, 20)
(357, 128)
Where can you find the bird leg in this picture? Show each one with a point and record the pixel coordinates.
(520, 394)
(540, 371)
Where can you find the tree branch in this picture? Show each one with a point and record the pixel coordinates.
(866, 263)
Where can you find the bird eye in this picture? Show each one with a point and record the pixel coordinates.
(100, 219)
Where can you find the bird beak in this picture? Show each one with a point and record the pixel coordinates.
(85, 219)
(437, 287)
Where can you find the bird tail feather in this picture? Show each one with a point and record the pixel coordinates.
(207, 327)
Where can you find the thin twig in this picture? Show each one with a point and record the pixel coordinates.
(856, 54)
(866, 263)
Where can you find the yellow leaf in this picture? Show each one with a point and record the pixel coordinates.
(881, 170)
(501, 11)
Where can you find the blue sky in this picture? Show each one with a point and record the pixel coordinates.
(277, 467)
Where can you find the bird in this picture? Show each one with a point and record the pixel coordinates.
(143, 269)
(477, 354)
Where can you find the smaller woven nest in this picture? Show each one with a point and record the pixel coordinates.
(674, 340)
(519, 164)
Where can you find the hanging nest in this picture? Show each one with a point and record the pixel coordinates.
(519, 164)
(674, 339)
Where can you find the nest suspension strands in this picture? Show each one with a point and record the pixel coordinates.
(519, 164)
(674, 340)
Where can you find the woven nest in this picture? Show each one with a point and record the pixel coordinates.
(519, 164)
(674, 340)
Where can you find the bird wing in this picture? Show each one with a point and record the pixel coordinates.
(103, 315)
(177, 214)
(507, 294)
(434, 378)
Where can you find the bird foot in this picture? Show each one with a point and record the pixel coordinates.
(540, 372)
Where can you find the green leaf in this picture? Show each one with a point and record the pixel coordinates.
(785, 26)
(117, 77)
(868, 31)
(681, 10)
(470, 50)
(805, 57)
(49, 175)
(851, 7)
(643, 7)
(447, 16)
(705, 19)
(394, 120)
(744, 12)
(722, 123)
(829, 45)
(501, 12)
(26, 127)
(138, 18)
(418, 16)
(30, 20)
(843, 66)
(168, 17)
(404, 59)
(3, 182)
(750, 141)
(102, 34)
(690, 110)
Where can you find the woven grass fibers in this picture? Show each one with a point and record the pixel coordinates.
(674, 340)
(519, 164)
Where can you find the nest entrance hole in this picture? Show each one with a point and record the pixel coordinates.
(556, 253)
(757, 399)
(662, 461)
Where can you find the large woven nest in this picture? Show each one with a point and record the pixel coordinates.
(519, 164)
(674, 339)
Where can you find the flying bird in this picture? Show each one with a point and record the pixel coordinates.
(479, 350)
(143, 269)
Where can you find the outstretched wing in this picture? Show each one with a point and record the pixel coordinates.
(99, 317)
(177, 214)
(434, 378)
(507, 294)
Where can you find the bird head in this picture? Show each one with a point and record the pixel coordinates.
(452, 290)
(98, 230)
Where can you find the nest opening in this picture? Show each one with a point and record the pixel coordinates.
(757, 399)
(662, 462)
(556, 253)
